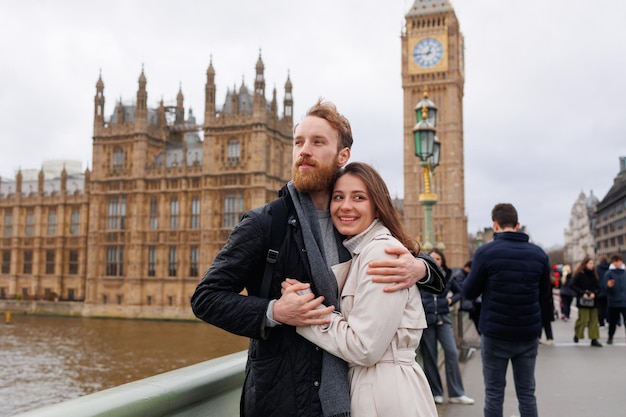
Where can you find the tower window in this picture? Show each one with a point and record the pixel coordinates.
(174, 213)
(28, 262)
(75, 222)
(234, 151)
(195, 212)
(193, 262)
(73, 264)
(154, 214)
(52, 223)
(115, 261)
(6, 261)
(8, 224)
(173, 261)
(117, 213)
(233, 209)
(29, 228)
(151, 261)
(50, 255)
(118, 158)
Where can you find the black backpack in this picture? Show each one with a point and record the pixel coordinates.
(277, 230)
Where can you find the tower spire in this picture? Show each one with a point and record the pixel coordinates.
(288, 101)
(180, 109)
(98, 119)
(209, 93)
(141, 111)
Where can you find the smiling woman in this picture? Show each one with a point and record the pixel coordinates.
(350, 206)
(376, 332)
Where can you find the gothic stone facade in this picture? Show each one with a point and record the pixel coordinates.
(157, 206)
(579, 238)
(610, 229)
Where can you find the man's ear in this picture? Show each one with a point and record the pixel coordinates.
(496, 227)
(517, 227)
(343, 157)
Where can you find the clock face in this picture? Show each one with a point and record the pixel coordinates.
(428, 52)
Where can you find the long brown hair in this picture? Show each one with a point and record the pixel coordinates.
(383, 206)
(583, 265)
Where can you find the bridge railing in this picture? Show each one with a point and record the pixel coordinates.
(210, 388)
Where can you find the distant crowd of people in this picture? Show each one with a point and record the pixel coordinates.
(600, 293)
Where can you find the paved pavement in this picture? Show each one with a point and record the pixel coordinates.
(573, 379)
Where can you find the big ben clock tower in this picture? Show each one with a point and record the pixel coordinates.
(432, 61)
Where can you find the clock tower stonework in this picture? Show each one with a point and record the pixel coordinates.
(432, 61)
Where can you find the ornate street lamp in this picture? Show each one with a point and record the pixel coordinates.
(428, 150)
(431, 109)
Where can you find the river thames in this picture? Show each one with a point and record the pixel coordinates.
(46, 360)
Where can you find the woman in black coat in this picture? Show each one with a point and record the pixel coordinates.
(586, 287)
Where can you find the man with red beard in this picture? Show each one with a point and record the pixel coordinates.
(286, 375)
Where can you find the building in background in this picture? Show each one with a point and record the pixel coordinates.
(432, 59)
(132, 236)
(610, 229)
(578, 239)
(43, 231)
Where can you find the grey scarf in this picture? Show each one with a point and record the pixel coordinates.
(334, 390)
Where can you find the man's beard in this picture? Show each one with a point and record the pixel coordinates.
(319, 178)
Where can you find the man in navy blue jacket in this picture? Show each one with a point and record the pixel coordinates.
(513, 277)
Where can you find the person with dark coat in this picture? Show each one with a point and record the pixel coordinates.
(472, 307)
(601, 301)
(614, 282)
(586, 286)
(286, 375)
(513, 276)
(437, 308)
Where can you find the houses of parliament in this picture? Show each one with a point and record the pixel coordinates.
(132, 236)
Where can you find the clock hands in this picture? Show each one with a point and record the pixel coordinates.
(425, 53)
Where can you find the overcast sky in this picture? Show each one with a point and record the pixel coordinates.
(545, 88)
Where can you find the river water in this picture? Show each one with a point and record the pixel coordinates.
(46, 360)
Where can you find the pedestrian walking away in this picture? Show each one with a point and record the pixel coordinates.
(513, 276)
(472, 307)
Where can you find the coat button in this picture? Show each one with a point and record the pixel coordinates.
(316, 383)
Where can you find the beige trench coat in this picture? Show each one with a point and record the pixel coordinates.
(377, 333)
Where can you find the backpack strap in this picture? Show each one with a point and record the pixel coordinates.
(278, 228)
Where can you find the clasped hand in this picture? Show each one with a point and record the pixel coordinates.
(300, 310)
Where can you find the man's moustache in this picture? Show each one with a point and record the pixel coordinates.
(302, 161)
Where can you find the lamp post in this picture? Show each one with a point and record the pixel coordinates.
(428, 150)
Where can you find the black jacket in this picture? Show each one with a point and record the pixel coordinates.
(283, 369)
(438, 304)
(513, 276)
(585, 282)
